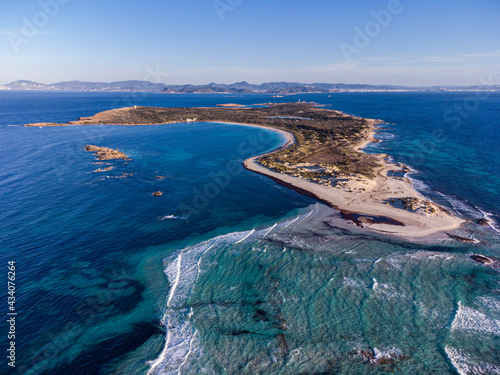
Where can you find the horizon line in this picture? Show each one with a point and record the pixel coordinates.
(252, 84)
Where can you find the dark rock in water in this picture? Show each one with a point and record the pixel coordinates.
(282, 344)
(486, 260)
(280, 322)
(125, 175)
(260, 312)
(405, 168)
(105, 153)
(461, 239)
(387, 361)
(359, 219)
(260, 316)
(482, 221)
(367, 354)
(104, 169)
(481, 259)
(281, 325)
(243, 332)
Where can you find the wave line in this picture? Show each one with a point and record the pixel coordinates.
(244, 238)
(188, 353)
(269, 231)
(291, 222)
(177, 278)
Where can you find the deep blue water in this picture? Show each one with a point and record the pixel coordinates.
(108, 273)
(450, 138)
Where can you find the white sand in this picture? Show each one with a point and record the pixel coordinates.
(364, 196)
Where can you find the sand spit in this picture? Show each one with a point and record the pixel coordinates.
(371, 201)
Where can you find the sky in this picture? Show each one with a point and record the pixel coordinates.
(399, 42)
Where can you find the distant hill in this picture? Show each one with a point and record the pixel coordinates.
(86, 86)
(278, 88)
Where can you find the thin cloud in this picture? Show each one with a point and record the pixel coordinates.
(484, 54)
(344, 66)
(39, 31)
(403, 61)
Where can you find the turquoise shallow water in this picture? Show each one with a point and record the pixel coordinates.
(305, 297)
(228, 272)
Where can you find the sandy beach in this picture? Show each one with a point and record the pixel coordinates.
(368, 200)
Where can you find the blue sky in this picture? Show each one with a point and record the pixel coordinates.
(426, 42)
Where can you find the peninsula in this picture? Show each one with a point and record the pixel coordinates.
(323, 158)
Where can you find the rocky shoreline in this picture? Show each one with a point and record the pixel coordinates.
(105, 153)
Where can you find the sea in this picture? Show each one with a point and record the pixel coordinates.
(228, 272)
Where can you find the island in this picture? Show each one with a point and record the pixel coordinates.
(323, 158)
(105, 153)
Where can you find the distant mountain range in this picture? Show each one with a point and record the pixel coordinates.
(277, 88)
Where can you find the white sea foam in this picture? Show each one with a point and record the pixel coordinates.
(427, 312)
(443, 256)
(183, 270)
(458, 205)
(420, 185)
(490, 303)
(248, 235)
(469, 319)
(461, 206)
(194, 339)
(312, 208)
(428, 255)
(382, 136)
(269, 231)
(167, 217)
(387, 353)
(493, 224)
(353, 283)
(464, 364)
(177, 275)
(395, 263)
(292, 221)
(385, 290)
(181, 340)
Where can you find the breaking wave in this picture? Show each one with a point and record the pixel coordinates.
(465, 365)
(183, 268)
(469, 319)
